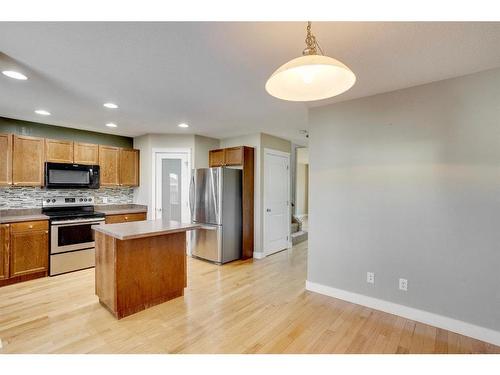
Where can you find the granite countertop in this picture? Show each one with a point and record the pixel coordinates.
(140, 229)
(17, 215)
(118, 209)
(33, 214)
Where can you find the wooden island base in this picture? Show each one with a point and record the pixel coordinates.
(132, 275)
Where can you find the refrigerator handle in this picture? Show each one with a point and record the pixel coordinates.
(214, 196)
(191, 196)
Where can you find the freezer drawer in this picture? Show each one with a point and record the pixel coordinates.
(206, 243)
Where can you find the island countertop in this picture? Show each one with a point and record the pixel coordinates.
(141, 229)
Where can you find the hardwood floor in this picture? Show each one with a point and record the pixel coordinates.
(243, 307)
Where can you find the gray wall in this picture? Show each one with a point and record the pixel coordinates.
(202, 146)
(407, 184)
(35, 129)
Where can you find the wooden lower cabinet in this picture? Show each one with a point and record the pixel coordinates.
(125, 218)
(29, 248)
(4, 251)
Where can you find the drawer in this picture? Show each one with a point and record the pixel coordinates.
(124, 218)
(72, 261)
(30, 225)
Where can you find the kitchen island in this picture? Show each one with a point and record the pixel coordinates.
(140, 264)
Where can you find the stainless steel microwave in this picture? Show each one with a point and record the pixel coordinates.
(71, 176)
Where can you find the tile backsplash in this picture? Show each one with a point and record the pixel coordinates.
(31, 197)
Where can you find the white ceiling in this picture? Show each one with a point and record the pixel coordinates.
(212, 74)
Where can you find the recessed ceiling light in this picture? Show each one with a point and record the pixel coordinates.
(183, 125)
(42, 112)
(15, 75)
(110, 105)
(111, 125)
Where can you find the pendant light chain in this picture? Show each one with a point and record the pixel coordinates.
(311, 43)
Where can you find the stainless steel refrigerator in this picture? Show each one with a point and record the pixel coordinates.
(215, 202)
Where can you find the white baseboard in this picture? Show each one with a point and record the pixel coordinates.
(258, 255)
(450, 324)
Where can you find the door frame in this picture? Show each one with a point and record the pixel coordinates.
(155, 152)
(270, 151)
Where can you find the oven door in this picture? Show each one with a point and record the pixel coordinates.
(72, 235)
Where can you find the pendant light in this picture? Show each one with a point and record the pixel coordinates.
(312, 76)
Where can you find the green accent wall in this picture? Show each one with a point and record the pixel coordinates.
(35, 129)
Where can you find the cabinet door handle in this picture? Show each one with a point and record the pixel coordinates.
(46, 232)
(30, 226)
(126, 217)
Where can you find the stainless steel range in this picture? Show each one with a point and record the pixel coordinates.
(72, 245)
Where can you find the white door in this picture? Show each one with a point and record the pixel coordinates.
(276, 201)
(172, 186)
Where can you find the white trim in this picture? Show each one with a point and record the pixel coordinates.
(258, 255)
(271, 151)
(440, 321)
(279, 153)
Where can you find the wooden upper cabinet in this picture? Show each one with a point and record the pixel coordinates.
(27, 160)
(233, 156)
(59, 151)
(29, 248)
(216, 158)
(226, 156)
(86, 153)
(109, 161)
(129, 167)
(4, 251)
(5, 159)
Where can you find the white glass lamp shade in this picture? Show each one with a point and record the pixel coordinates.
(311, 77)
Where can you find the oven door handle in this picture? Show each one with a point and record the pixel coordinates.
(84, 221)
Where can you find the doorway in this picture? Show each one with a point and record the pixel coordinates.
(172, 169)
(276, 201)
(300, 217)
(302, 185)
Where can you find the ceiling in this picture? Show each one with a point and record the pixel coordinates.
(211, 75)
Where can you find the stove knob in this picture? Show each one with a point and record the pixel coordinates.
(48, 200)
(81, 199)
(85, 200)
(53, 200)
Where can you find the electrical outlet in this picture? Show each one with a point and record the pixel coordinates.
(104, 199)
(403, 284)
(370, 277)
